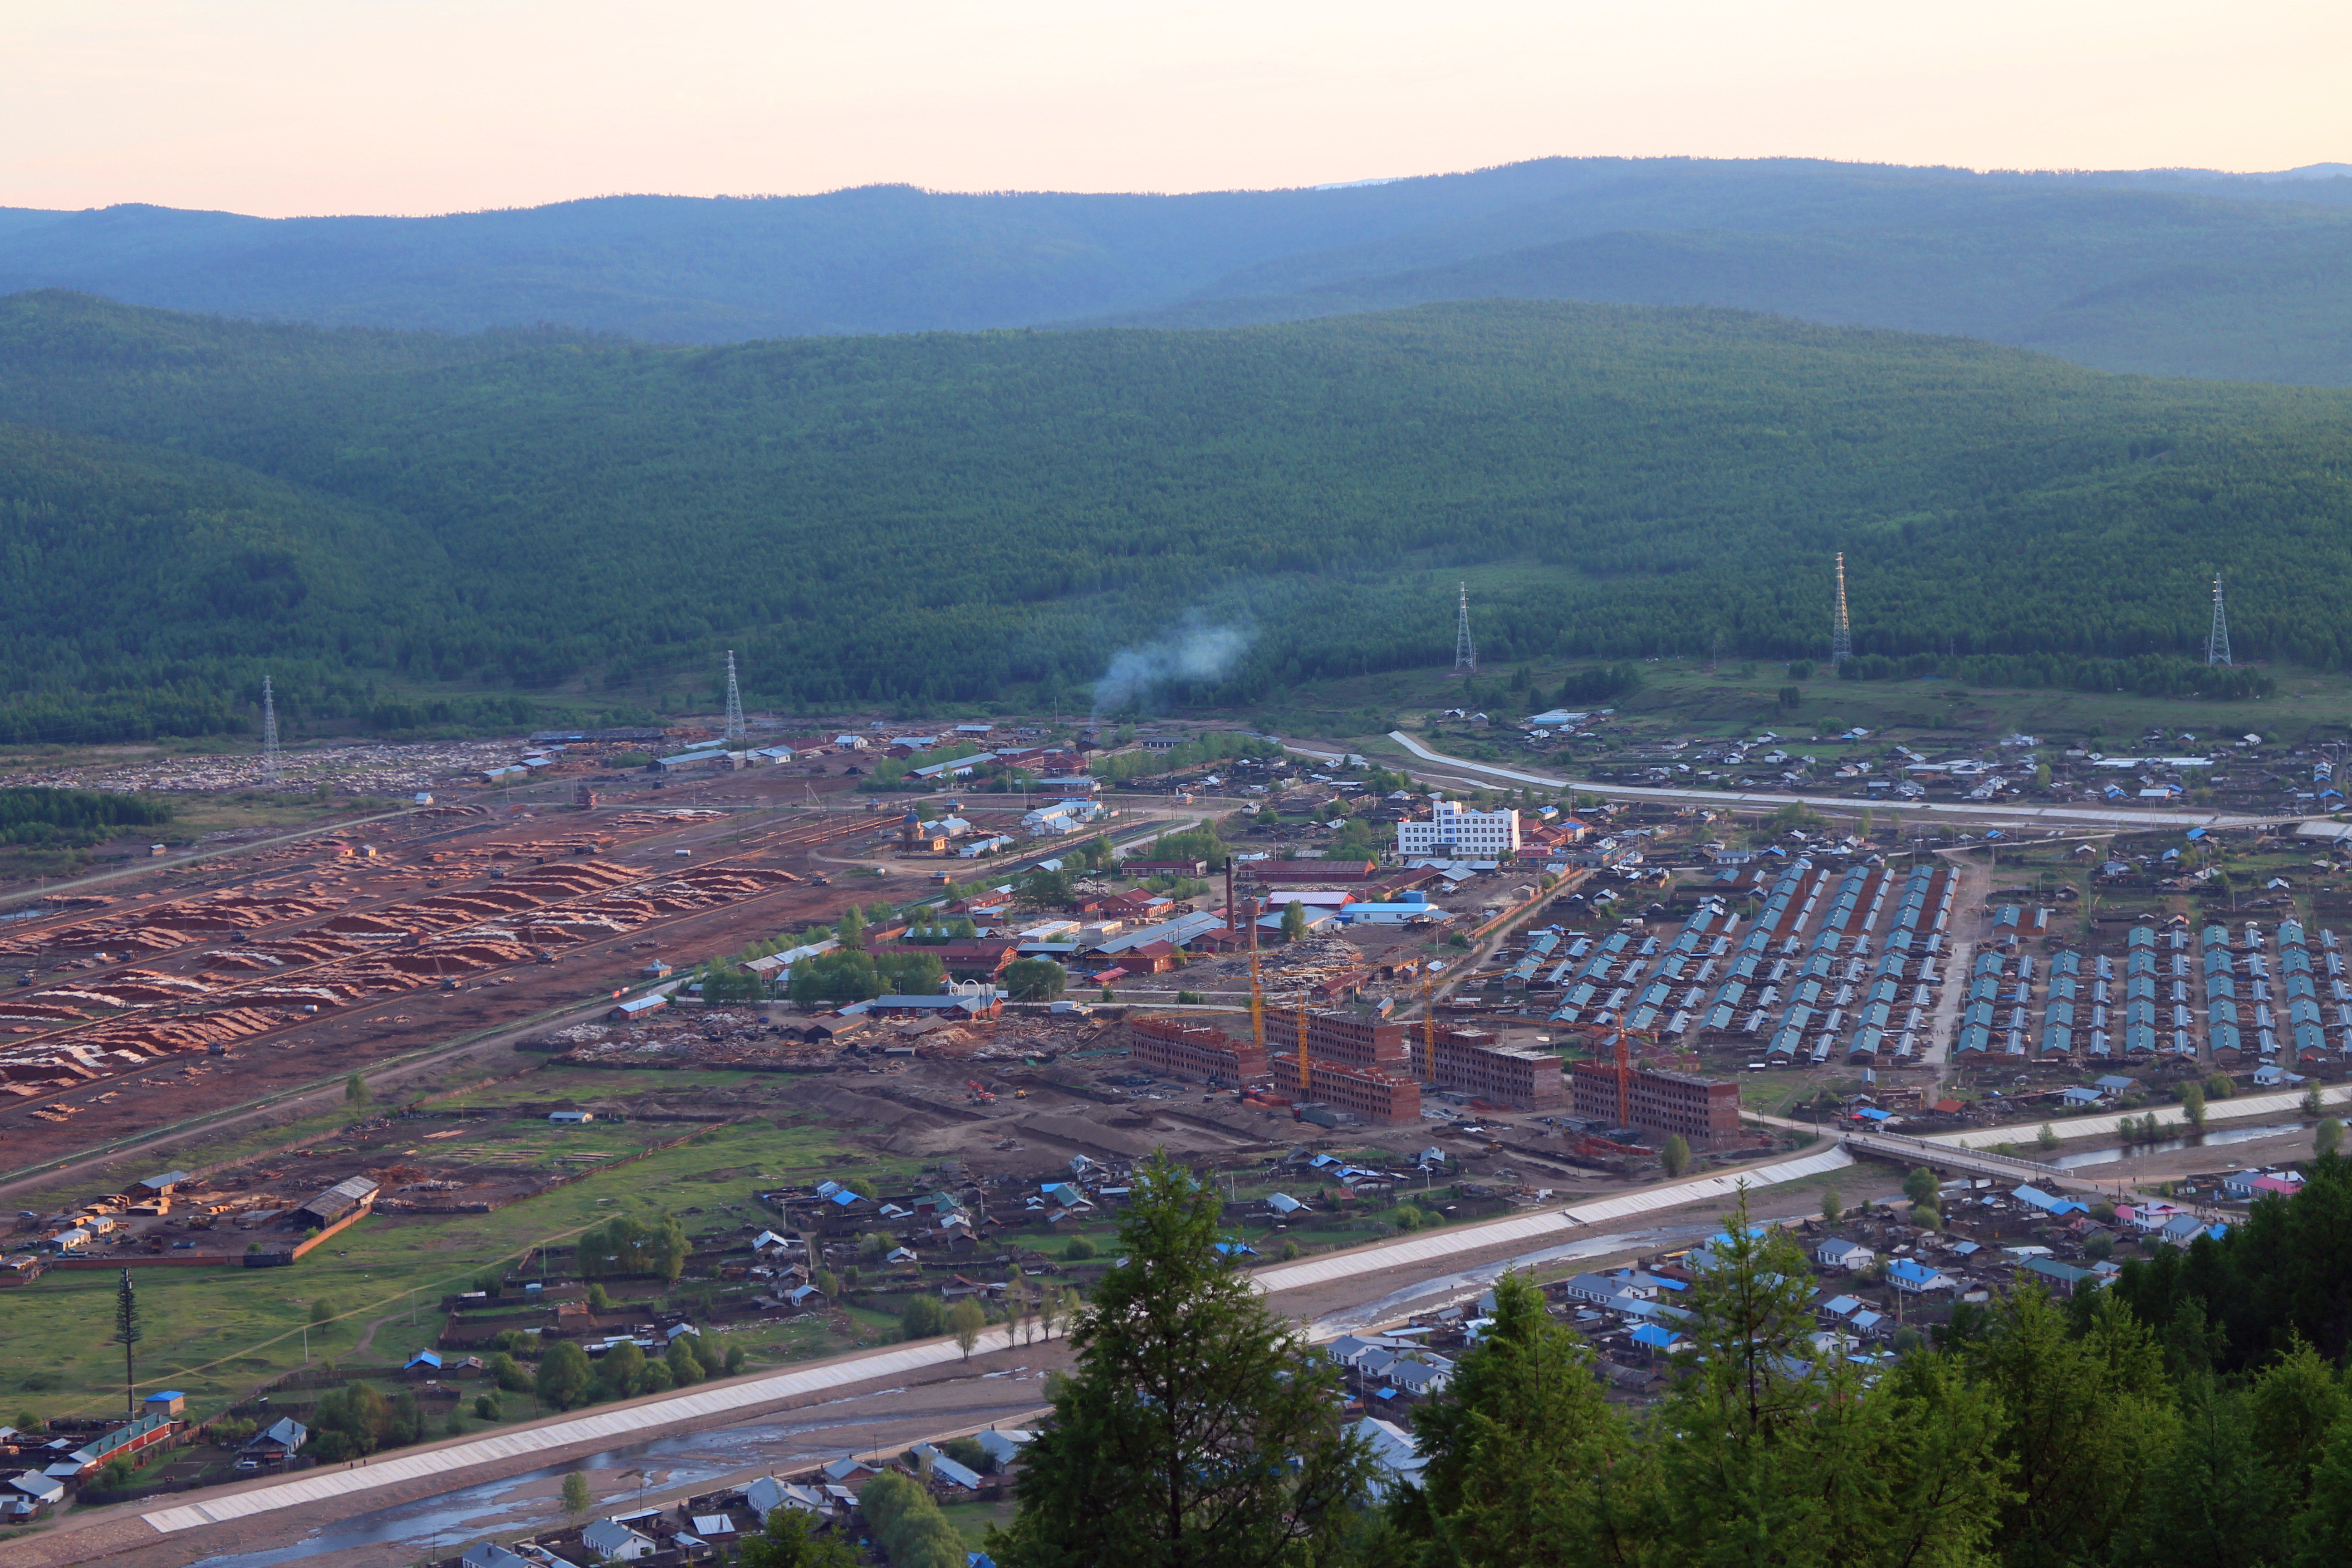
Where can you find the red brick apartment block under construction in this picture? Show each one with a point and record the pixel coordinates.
(1705, 1111)
(1365, 1092)
(1195, 1051)
(1372, 1070)
(1352, 1064)
(1473, 1061)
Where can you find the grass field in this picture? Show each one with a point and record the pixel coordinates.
(215, 1333)
(972, 1520)
(559, 1082)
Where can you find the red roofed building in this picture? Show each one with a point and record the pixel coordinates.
(1136, 906)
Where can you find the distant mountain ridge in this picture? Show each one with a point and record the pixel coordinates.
(2177, 271)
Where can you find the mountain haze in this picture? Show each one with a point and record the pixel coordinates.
(2176, 272)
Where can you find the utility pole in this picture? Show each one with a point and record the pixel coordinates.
(1466, 652)
(1840, 629)
(2217, 641)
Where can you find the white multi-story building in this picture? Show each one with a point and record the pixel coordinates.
(1472, 834)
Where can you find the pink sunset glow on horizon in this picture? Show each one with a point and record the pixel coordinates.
(280, 108)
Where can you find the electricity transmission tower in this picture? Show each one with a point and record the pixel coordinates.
(268, 732)
(1842, 629)
(2217, 641)
(1466, 652)
(734, 702)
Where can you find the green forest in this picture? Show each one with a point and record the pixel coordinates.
(388, 522)
(2131, 1426)
(75, 819)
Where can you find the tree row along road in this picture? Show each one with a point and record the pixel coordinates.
(2061, 815)
(461, 1463)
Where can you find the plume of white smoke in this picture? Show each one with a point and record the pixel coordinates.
(1194, 651)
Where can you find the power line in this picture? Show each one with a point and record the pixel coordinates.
(2217, 641)
(1842, 629)
(1466, 652)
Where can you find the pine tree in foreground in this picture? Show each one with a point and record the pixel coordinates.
(1196, 1429)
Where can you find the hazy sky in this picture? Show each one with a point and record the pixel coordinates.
(370, 106)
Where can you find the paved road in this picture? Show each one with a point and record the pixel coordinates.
(2286, 1104)
(2058, 817)
(1402, 1257)
(621, 1423)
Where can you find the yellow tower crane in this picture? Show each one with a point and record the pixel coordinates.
(1306, 1074)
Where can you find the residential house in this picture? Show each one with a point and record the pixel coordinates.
(1591, 1288)
(1836, 1252)
(2248, 1184)
(487, 1554)
(2183, 1229)
(279, 1440)
(766, 1494)
(1393, 1450)
(45, 1490)
(961, 1476)
(616, 1542)
(1914, 1278)
(2060, 1279)
(2048, 1204)
(1419, 1377)
(1003, 1445)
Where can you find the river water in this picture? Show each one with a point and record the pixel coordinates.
(2165, 1146)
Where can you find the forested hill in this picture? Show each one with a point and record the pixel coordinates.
(2176, 272)
(192, 501)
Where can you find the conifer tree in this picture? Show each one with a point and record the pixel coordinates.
(1196, 1428)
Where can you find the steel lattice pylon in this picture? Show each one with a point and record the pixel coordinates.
(1466, 652)
(734, 701)
(268, 731)
(1840, 629)
(2217, 641)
